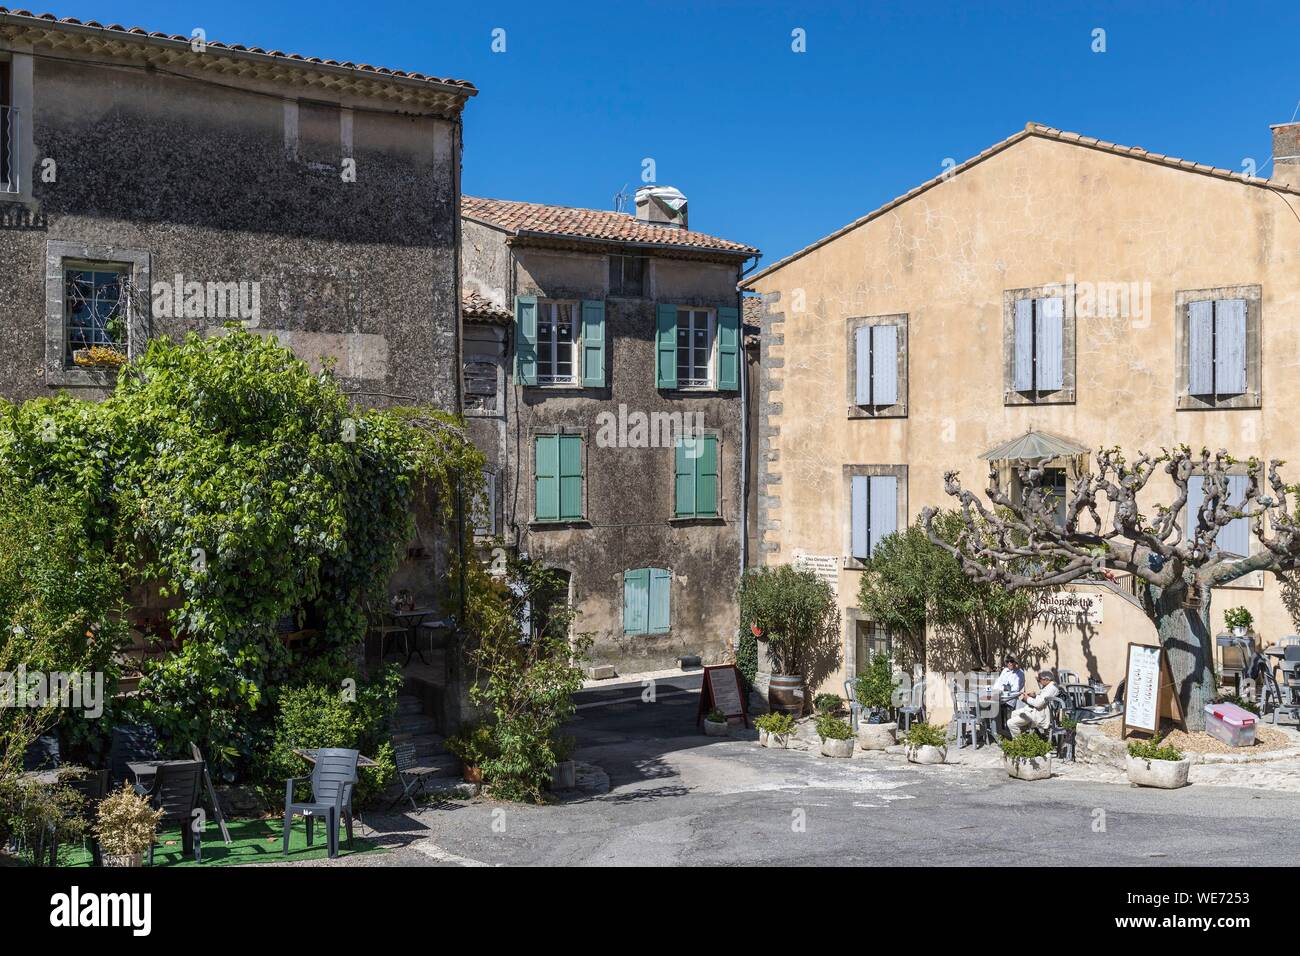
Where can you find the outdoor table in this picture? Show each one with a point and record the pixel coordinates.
(412, 620)
(309, 754)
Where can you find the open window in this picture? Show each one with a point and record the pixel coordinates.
(8, 130)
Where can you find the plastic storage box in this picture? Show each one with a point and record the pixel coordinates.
(1231, 724)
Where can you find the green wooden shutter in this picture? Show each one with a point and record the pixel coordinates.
(660, 586)
(706, 476)
(570, 477)
(547, 470)
(636, 601)
(593, 343)
(685, 481)
(666, 346)
(526, 339)
(728, 349)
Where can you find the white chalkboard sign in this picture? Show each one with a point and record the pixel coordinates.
(1149, 690)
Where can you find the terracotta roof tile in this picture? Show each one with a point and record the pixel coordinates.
(476, 306)
(594, 224)
(467, 86)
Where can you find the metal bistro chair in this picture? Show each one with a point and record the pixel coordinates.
(385, 626)
(914, 709)
(855, 708)
(966, 714)
(175, 791)
(333, 778)
(410, 773)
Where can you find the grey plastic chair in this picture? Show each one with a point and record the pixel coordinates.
(914, 709)
(966, 715)
(333, 779)
(175, 791)
(855, 708)
(1056, 712)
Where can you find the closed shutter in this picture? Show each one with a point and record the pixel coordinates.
(684, 496)
(570, 477)
(706, 476)
(593, 343)
(660, 586)
(884, 365)
(728, 349)
(1200, 348)
(860, 494)
(485, 510)
(1050, 344)
(547, 470)
(884, 509)
(862, 366)
(666, 346)
(526, 339)
(1234, 537)
(1023, 378)
(1230, 347)
(1195, 498)
(636, 601)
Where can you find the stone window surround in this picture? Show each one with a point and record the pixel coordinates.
(686, 520)
(1251, 398)
(849, 472)
(57, 253)
(539, 431)
(1069, 346)
(899, 408)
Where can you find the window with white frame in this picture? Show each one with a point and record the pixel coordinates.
(696, 335)
(95, 308)
(557, 342)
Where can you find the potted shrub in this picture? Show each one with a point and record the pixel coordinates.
(474, 746)
(1238, 620)
(564, 775)
(1151, 765)
(795, 614)
(777, 727)
(836, 735)
(927, 743)
(1071, 728)
(1027, 757)
(828, 703)
(715, 724)
(125, 825)
(875, 690)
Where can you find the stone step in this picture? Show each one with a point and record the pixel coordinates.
(408, 705)
(414, 725)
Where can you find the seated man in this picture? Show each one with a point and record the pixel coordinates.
(1008, 687)
(1033, 712)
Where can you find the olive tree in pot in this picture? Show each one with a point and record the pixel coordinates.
(794, 613)
(875, 689)
(125, 825)
(1027, 757)
(715, 724)
(774, 730)
(1151, 765)
(1239, 621)
(927, 743)
(836, 735)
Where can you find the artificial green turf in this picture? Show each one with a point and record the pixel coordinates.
(252, 841)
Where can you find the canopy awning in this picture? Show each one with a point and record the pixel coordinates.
(1034, 446)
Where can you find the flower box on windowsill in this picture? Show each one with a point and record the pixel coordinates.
(99, 356)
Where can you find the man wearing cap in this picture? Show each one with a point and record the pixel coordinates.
(1033, 711)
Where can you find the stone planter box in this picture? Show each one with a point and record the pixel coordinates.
(927, 754)
(712, 729)
(837, 748)
(1029, 768)
(762, 737)
(777, 741)
(564, 775)
(877, 736)
(1163, 774)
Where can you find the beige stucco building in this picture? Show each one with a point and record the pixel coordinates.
(1111, 262)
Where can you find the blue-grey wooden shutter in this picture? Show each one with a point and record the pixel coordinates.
(884, 365)
(1050, 345)
(1230, 346)
(706, 475)
(1195, 498)
(546, 464)
(593, 343)
(684, 470)
(660, 586)
(526, 339)
(1200, 348)
(728, 349)
(570, 454)
(636, 601)
(666, 346)
(862, 366)
(884, 508)
(858, 519)
(1234, 537)
(1023, 380)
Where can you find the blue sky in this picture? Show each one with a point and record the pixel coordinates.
(777, 148)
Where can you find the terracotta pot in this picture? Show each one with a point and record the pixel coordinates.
(877, 736)
(927, 754)
(472, 774)
(837, 748)
(1162, 774)
(1029, 768)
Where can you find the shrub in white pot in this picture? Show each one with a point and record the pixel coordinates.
(1239, 620)
(926, 743)
(836, 735)
(1151, 765)
(125, 825)
(715, 724)
(1027, 757)
(774, 729)
(875, 693)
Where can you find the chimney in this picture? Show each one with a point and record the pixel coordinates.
(1286, 153)
(661, 206)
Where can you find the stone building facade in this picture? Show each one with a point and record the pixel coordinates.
(1054, 284)
(604, 382)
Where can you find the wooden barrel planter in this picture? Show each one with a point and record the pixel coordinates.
(785, 694)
